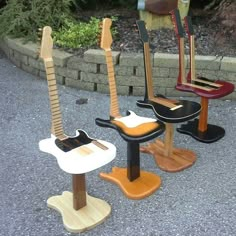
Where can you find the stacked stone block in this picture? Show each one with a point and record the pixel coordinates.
(90, 71)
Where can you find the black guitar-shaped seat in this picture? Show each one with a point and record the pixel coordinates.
(170, 111)
(201, 86)
(134, 129)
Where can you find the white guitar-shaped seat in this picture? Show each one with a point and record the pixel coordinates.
(81, 159)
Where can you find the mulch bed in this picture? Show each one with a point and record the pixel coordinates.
(209, 39)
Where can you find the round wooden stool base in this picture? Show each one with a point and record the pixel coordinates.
(140, 188)
(179, 160)
(212, 134)
(94, 213)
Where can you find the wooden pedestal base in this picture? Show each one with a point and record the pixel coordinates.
(178, 160)
(140, 188)
(94, 213)
(212, 133)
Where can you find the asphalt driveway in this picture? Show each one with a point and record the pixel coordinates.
(198, 201)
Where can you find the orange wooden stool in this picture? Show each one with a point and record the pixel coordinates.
(134, 183)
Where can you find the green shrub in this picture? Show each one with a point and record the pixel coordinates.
(79, 34)
(22, 18)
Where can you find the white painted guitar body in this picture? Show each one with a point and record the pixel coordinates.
(76, 161)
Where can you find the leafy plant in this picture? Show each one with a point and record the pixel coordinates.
(79, 34)
(22, 18)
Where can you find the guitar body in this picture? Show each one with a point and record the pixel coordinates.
(187, 111)
(133, 128)
(78, 154)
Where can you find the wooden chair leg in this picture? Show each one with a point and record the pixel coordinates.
(167, 157)
(168, 142)
(79, 191)
(200, 129)
(202, 125)
(79, 210)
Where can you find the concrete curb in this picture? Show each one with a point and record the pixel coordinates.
(90, 73)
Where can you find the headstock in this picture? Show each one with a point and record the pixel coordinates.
(46, 43)
(177, 23)
(106, 37)
(188, 25)
(142, 31)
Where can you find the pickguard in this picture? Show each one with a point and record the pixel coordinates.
(132, 120)
(71, 143)
(135, 126)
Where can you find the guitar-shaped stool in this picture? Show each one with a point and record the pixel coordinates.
(75, 155)
(203, 87)
(134, 183)
(169, 111)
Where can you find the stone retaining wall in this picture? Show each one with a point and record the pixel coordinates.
(90, 73)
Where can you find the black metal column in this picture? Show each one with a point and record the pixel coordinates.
(133, 160)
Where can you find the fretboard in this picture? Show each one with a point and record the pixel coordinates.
(192, 57)
(114, 105)
(148, 71)
(181, 78)
(57, 126)
(149, 84)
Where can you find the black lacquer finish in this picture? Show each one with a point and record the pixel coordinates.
(212, 134)
(133, 161)
(188, 111)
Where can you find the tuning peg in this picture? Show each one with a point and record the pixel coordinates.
(39, 38)
(39, 31)
(39, 34)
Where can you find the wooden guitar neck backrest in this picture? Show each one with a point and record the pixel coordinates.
(180, 35)
(106, 41)
(192, 58)
(190, 32)
(147, 62)
(182, 76)
(46, 55)
(149, 83)
(192, 78)
(148, 69)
